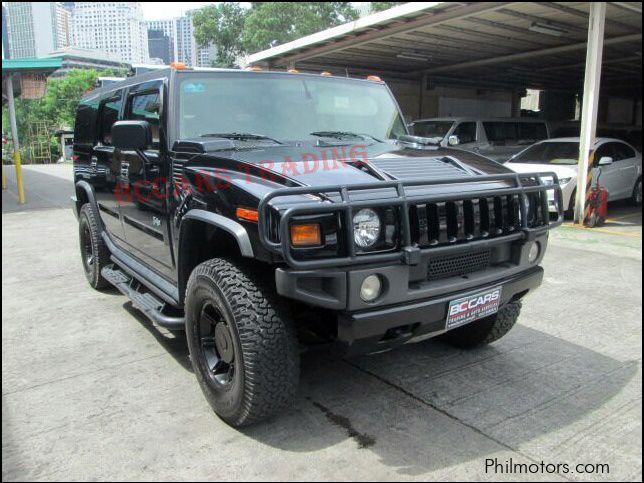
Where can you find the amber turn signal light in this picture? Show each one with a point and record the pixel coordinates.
(306, 234)
(247, 214)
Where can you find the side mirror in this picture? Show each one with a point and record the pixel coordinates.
(605, 161)
(133, 135)
(453, 140)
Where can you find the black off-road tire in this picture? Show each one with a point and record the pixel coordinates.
(485, 331)
(265, 362)
(94, 253)
(636, 195)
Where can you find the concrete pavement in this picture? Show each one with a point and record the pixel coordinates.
(101, 394)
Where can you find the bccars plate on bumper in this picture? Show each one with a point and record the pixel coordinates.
(471, 307)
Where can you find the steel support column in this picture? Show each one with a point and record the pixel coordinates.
(592, 77)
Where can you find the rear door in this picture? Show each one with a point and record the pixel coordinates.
(105, 167)
(502, 139)
(628, 164)
(145, 174)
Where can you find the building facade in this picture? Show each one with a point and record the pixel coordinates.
(116, 28)
(33, 29)
(169, 30)
(160, 46)
(184, 48)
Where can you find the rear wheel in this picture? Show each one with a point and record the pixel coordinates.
(636, 196)
(243, 347)
(485, 331)
(94, 252)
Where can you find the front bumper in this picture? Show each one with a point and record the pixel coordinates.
(386, 328)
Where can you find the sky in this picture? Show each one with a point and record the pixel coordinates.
(163, 10)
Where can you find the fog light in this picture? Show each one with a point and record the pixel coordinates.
(533, 254)
(370, 288)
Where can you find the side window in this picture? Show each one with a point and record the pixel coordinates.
(466, 132)
(605, 149)
(85, 126)
(108, 115)
(501, 132)
(146, 107)
(623, 151)
(532, 131)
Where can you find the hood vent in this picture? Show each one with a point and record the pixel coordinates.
(422, 168)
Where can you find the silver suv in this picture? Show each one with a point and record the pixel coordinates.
(496, 138)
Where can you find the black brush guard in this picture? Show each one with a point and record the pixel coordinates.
(408, 251)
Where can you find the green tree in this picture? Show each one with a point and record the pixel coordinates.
(379, 6)
(272, 23)
(58, 106)
(221, 24)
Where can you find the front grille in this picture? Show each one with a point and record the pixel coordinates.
(451, 222)
(459, 264)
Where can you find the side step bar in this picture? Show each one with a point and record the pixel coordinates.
(145, 302)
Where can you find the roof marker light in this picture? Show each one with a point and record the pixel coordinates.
(178, 65)
(254, 68)
(326, 73)
(293, 71)
(374, 78)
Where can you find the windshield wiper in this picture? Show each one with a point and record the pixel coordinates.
(343, 135)
(239, 136)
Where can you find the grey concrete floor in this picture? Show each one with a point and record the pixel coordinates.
(91, 390)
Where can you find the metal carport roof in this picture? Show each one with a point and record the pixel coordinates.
(507, 44)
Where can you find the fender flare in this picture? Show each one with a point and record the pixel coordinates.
(238, 232)
(231, 227)
(89, 191)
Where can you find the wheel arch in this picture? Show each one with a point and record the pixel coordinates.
(204, 235)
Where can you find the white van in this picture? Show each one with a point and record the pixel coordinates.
(497, 139)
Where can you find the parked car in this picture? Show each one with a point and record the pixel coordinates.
(263, 212)
(620, 163)
(497, 139)
(629, 134)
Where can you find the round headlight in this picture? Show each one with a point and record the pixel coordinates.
(366, 228)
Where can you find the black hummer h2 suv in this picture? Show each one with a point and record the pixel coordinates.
(264, 212)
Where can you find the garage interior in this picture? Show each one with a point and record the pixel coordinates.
(481, 58)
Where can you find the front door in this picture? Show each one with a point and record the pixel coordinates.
(609, 174)
(145, 175)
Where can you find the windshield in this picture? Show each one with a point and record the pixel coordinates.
(285, 107)
(550, 153)
(432, 129)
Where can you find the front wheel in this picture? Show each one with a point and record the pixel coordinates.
(636, 196)
(485, 331)
(243, 347)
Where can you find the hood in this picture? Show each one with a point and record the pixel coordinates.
(314, 165)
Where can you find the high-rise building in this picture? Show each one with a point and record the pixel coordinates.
(113, 27)
(169, 29)
(184, 47)
(33, 29)
(160, 46)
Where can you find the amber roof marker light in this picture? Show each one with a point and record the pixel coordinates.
(178, 65)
